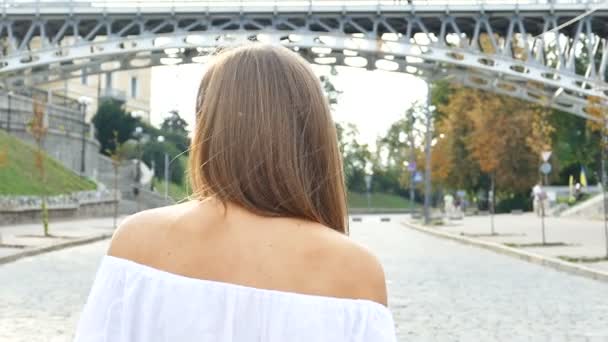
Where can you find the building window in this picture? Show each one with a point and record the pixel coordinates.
(84, 79)
(134, 87)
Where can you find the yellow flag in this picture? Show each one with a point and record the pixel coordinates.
(583, 178)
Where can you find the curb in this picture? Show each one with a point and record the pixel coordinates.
(55, 247)
(554, 263)
(365, 211)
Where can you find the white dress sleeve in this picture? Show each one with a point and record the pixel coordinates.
(380, 326)
(99, 320)
(130, 302)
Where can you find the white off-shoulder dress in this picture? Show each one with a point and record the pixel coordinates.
(130, 302)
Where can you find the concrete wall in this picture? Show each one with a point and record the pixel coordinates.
(99, 209)
(26, 209)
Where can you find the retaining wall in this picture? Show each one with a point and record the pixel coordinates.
(27, 209)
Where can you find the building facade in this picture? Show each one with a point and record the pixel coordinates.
(131, 87)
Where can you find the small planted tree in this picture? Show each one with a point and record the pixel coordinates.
(118, 155)
(38, 129)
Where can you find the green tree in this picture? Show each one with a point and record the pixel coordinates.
(453, 164)
(154, 153)
(490, 137)
(330, 90)
(397, 148)
(174, 123)
(576, 141)
(356, 157)
(111, 118)
(179, 138)
(117, 156)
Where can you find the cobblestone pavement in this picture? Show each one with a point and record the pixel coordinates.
(439, 291)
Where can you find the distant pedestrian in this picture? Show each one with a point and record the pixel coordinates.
(538, 197)
(578, 194)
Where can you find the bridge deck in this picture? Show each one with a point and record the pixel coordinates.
(420, 7)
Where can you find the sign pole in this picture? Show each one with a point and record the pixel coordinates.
(603, 180)
(545, 169)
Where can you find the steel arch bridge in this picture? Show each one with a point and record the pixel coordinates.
(508, 47)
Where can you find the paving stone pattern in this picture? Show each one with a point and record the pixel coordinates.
(439, 291)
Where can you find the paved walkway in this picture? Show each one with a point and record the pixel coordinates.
(583, 238)
(19, 238)
(438, 291)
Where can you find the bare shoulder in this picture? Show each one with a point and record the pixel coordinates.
(355, 269)
(136, 234)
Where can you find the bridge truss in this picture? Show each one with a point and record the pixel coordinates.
(507, 47)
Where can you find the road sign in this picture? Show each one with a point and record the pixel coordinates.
(411, 166)
(545, 168)
(418, 177)
(546, 155)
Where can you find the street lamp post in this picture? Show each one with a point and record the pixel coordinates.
(84, 102)
(9, 110)
(411, 169)
(166, 172)
(603, 180)
(161, 139)
(492, 199)
(138, 136)
(427, 146)
(412, 163)
(545, 169)
(368, 185)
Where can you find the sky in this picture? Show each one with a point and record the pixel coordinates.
(372, 100)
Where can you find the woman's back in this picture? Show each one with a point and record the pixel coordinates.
(195, 272)
(261, 252)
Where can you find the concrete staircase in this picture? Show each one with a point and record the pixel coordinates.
(592, 208)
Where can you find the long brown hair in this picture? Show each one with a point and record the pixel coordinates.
(265, 139)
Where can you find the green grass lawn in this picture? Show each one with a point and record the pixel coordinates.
(176, 192)
(378, 200)
(355, 200)
(19, 175)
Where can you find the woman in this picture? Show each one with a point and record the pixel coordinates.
(261, 252)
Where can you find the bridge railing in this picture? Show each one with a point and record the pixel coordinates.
(96, 5)
(16, 112)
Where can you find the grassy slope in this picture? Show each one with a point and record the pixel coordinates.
(19, 175)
